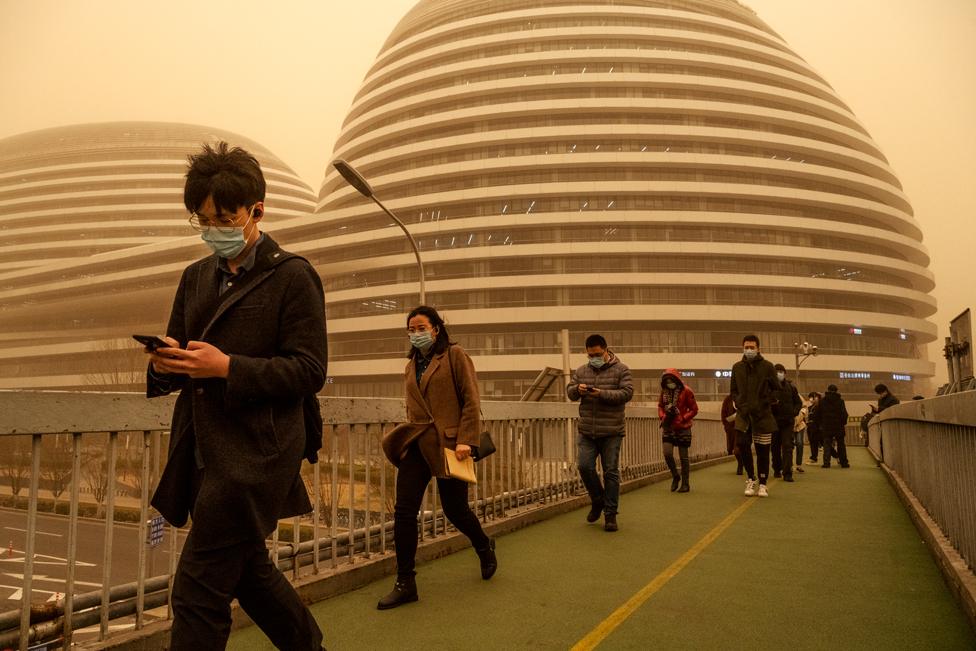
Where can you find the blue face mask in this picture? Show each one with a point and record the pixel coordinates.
(597, 362)
(421, 340)
(226, 245)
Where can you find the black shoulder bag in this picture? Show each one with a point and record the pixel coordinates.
(485, 447)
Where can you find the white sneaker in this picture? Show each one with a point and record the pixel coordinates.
(750, 487)
(762, 491)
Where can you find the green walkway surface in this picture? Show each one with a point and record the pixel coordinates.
(830, 561)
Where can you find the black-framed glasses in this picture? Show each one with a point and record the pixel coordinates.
(203, 224)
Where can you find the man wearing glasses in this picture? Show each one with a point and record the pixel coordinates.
(247, 348)
(603, 386)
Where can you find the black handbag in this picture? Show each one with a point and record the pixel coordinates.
(486, 446)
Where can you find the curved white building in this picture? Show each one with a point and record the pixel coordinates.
(93, 238)
(665, 172)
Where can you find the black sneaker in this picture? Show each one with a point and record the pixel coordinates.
(788, 478)
(610, 522)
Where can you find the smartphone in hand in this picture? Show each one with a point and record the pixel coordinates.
(152, 342)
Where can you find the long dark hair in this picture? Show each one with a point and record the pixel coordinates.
(443, 339)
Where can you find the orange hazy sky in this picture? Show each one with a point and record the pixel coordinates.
(284, 74)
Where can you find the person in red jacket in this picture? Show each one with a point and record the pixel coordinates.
(676, 407)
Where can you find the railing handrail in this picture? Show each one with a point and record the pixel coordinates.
(65, 412)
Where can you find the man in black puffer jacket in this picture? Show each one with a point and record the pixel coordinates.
(603, 386)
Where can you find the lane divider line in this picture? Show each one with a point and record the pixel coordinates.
(607, 626)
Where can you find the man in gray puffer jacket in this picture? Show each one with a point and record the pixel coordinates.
(603, 387)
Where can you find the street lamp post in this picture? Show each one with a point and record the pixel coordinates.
(356, 180)
(800, 354)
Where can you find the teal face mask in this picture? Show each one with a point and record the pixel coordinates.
(421, 340)
(597, 362)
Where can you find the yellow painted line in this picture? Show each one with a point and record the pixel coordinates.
(618, 616)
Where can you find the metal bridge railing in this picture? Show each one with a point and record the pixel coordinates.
(105, 452)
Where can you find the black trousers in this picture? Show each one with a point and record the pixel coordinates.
(841, 448)
(813, 436)
(412, 479)
(782, 449)
(207, 580)
(744, 441)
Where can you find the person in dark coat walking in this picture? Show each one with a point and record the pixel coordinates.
(676, 407)
(248, 348)
(604, 387)
(833, 421)
(786, 406)
(753, 387)
(728, 424)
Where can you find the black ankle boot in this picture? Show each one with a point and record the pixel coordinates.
(404, 591)
(489, 563)
(675, 478)
(596, 509)
(685, 471)
(610, 522)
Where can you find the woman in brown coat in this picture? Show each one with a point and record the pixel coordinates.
(443, 411)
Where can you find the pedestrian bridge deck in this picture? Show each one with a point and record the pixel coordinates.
(830, 561)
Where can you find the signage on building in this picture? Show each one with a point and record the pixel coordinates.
(857, 331)
(723, 373)
(855, 375)
(903, 378)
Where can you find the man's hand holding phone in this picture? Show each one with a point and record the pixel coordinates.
(157, 347)
(588, 390)
(198, 360)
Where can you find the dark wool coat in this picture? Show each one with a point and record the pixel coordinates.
(456, 409)
(887, 401)
(753, 384)
(602, 415)
(832, 414)
(787, 403)
(728, 423)
(248, 427)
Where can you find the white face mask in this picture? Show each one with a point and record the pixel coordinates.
(750, 353)
(781, 376)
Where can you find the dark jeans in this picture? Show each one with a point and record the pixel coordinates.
(841, 449)
(608, 449)
(207, 580)
(744, 441)
(411, 483)
(782, 449)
